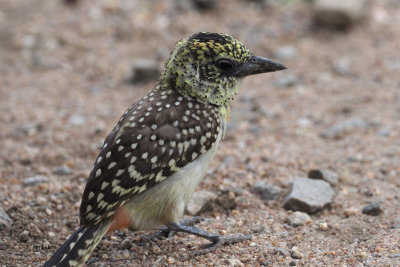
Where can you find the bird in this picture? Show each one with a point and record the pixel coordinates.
(160, 149)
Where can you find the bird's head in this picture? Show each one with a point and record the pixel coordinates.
(209, 67)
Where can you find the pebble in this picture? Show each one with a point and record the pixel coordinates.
(295, 253)
(323, 226)
(308, 195)
(62, 170)
(339, 15)
(373, 209)
(24, 236)
(70, 2)
(395, 223)
(199, 200)
(3, 246)
(340, 129)
(286, 52)
(234, 263)
(363, 254)
(48, 211)
(287, 80)
(281, 252)
(350, 212)
(331, 177)
(298, 218)
(34, 180)
(156, 249)
(343, 66)
(228, 160)
(383, 132)
(76, 120)
(171, 260)
(126, 254)
(144, 71)
(267, 191)
(5, 220)
(51, 234)
(46, 244)
(205, 4)
(27, 155)
(28, 128)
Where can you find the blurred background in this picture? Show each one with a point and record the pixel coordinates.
(69, 69)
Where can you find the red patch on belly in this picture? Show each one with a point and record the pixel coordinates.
(121, 220)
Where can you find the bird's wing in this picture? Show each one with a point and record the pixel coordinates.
(155, 137)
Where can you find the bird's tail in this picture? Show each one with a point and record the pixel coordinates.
(77, 249)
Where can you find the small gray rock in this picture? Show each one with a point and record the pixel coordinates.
(77, 120)
(340, 129)
(3, 245)
(199, 200)
(326, 175)
(267, 191)
(228, 160)
(286, 52)
(144, 71)
(24, 236)
(5, 220)
(298, 218)
(339, 15)
(234, 263)
(287, 81)
(308, 195)
(295, 253)
(373, 209)
(395, 223)
(343, 66)
(34, 180)
(383, 132)
(62, 170)
(281, 252)
(205, 4)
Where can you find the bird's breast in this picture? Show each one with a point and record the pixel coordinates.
(166, 201)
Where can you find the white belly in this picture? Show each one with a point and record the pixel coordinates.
(165, 202)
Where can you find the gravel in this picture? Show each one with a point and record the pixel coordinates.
(342, 128)
(34, 180)
(144, 71)
(62, 170)
(5, 220)
(59, 61)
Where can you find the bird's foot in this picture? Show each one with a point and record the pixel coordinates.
(216, 240)
(167, 232)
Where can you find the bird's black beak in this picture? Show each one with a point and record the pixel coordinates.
(258, 65)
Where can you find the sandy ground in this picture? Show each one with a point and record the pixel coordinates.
(62, 89)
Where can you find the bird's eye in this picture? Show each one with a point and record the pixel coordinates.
(225, 65)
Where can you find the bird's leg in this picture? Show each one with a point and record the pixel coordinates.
(166, 232)
(216, 240)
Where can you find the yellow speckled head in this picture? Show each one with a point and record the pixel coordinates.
(209, 67)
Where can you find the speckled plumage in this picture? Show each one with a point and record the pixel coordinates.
(156, 137)
(161, 147)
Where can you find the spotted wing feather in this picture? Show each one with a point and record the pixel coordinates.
(155, 137)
